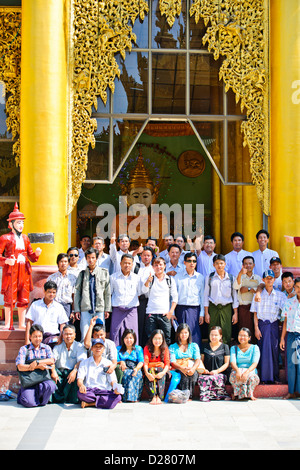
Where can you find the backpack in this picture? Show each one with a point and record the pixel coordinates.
(211, 275)
(169, 282)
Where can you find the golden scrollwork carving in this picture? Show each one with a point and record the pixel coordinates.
(101, 29)
(239, 31)
(10, 71)
(170, 8)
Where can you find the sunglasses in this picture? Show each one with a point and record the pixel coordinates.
(71, 256)
(191, 261)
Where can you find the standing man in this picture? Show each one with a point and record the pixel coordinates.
(168, 240)
(103, 259)
(246, 284)
(92, 293)
(181, 241)
(65, 282)
(85, 243)
(263, 255)
(174, 265)
(146, 269)
(220, 299)
(276, 267)
(234, 259)
(125, 291)
(162, 300)
(73, 257)
(15, 256)
(291, 327)
(190, 288)
(116, 255)
(266, 323)
(205, 264)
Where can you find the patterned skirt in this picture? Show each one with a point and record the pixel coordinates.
(157, 387)
(244, 390)
(133, 385)
(212, 387)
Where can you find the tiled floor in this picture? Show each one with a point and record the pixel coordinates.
(270, 424)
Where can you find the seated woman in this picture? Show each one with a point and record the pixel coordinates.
(156, 366)
(244, 359)
(33, 356)
(130, 363)
(215, 360)
(185, 358)
(68, 356)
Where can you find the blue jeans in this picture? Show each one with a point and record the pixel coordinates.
(85, 319)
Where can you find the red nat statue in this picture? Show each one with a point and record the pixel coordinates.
(15, 254)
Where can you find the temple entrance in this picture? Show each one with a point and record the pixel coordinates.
(169, 106)
(168, 167)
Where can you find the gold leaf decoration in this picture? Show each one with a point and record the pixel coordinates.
(170, 8)
(101, 29)
(10, 71)
(238, 31)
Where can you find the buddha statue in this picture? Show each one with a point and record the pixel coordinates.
(140, 220)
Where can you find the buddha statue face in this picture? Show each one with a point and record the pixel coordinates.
(140, 189)
(143, 196)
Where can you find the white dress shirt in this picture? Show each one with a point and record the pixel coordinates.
(116, 256)
(94, 376)
(48, 316)
(190, 289)
(234, 261)
(219, 291)
(67, 358)
(262, 260)
(125, 290)
(205, 263)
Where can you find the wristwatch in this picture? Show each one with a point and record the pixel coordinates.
(37, 362)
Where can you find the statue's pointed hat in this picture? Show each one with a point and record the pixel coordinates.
(16, 214)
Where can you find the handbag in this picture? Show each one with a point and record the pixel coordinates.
(31, 378)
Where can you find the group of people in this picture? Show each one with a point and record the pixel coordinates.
(111, 323)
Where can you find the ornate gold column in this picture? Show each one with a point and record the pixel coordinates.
(44, 131)
(285, 128)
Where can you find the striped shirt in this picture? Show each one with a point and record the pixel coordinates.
(270, 306)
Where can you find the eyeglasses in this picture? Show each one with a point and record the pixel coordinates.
(71, 256)
(191, 261)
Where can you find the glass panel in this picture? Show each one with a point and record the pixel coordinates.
(124, 133)
(206, 90)
(211, 134)
(168, 83)
(131, 90)
(164, 36)
(98, 157)
(5, 209)
(9, 172)
(4, 133)
(197, 32)
(233, 108)
(140, 29)
(238, 155)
